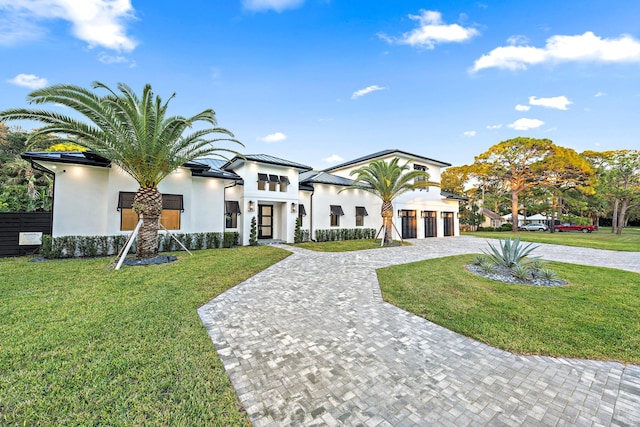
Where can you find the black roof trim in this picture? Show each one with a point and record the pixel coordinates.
(87, 158)
(385, 153)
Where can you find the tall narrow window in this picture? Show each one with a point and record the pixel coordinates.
(336, 212)
(273, 182)
(361, 212)
(231, 212)
(263, 179)
(284, 183)
(420, 179)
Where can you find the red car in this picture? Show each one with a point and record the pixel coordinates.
(575, 227)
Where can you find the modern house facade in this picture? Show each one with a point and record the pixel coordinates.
(92, 197)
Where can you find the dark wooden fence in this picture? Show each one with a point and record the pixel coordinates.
(12, 224)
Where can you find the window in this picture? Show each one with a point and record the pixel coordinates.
(231, 212)
(284, 183)
(336, 213)
(262, 181)
(361, 212)
(273, 182)
(172, 207)
(420, 179)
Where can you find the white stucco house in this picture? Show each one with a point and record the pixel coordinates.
(92, 197)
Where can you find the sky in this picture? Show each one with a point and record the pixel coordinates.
(324, 81)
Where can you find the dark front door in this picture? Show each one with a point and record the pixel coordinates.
(408, 224)
(265, 222)
(430, 227)
(448, 223)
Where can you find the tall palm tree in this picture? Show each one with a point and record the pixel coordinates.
(388, 181)
(134, 133)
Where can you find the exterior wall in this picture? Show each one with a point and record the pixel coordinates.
(284, 220)
(86, 200)
(80, 206)
(433, 170)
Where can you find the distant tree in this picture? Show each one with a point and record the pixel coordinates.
(134, 133)
(516, 163)
(565, 169)
(388, 180)
(618, 174)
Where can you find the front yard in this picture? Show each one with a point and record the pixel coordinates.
(594, 317)
(83, 344)
(629, 241)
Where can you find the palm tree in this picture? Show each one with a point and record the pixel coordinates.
(134, 133)
(388, 181)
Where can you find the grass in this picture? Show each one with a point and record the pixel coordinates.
(629, 241)
(345, 245)
(594, 317)
(83, 344)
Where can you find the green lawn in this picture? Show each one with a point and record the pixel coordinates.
(83, 344)
(629, 241)
(594, 317)
(344, 245)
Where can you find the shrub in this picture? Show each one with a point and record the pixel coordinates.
(547, 274)
(487, 266)
(253, 235)
(511, 253)
(46, 246)
(334, 234)
(480, 259)
(521, 272)
(229, 239)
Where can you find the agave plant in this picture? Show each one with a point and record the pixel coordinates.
(511, 253)
(487, 266)
(480, 259)
(521, 272)
(548, 274)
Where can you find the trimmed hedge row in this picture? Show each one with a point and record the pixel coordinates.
(333, 234)
(503, 227)
(93, 246)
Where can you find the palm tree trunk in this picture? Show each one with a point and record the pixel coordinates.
(387, 222)
(147, 203)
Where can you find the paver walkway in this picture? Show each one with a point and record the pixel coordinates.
(309, 341)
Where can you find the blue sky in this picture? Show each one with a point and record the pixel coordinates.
(319, 81)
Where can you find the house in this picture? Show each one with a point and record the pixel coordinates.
(491, 219)
(93, 197)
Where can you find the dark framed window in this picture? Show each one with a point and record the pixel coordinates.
(231, 212)
(172, 207)
(361, 212)
(274, 180)
(263, 179)
(284, 183)
(422, 168)
(336, 212)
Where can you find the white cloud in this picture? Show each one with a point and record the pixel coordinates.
(494, 127)
(521, 107)
(526, 124)
(517, 40)
(470, 133)
(29, 80)
(334, 158)
(273, 137)
(357, 94)
(431, 31)
(557, 102)
(277, 5)
(599, 94)
(584, 47)
(97, 22)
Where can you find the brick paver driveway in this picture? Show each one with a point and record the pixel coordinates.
(309, 341)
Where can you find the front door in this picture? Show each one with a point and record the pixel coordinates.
(265, 222)
(408, 224)
(430, 222)
(448, 223)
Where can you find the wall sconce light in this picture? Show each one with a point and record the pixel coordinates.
(293, 207)
(251, 206)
